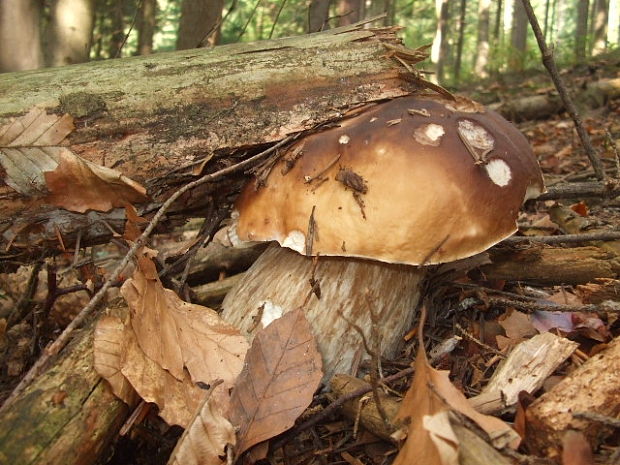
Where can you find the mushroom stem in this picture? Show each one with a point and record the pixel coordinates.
(280, 281)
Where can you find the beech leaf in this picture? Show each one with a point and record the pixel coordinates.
(205, 439)
(36, 166)
(108, 350)
(281, 372)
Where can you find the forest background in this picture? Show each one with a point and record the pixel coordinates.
(470, 39)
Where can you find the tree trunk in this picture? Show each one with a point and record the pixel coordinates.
(599, 23)
(19, 35)
(518, 37)
(117, 28)
(69, 33)
(199, 24)
(349, 12)
(147, 17)
(581, 31)
(157, 118)
(440, 42)
(482, 55)
(459, 46)
(318, 13)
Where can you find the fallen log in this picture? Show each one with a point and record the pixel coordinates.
(164, 119)
(67, 416)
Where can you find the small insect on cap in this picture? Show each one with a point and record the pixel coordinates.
(416, 180)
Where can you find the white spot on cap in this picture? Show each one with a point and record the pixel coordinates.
(477, 137)
(270, 313)
(295, 240)
(344, 139)
(499, 172)
(429, 134)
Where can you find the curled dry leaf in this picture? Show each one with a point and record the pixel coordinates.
(430, 395)
(205, 439)
(281, 372)
(36, 166)
(108, 350)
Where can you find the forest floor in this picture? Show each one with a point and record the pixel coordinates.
(467, 310)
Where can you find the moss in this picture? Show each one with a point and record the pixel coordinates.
(82, 104)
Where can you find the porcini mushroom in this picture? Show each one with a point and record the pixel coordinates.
(415, 181)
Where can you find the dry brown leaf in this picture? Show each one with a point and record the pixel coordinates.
(281, 372)
(79, 185)
(177, 399)
(108, 350)
(36, 166)
(575, 449)
(430, 395)
(205, 439)
(178, 335)
(518, 326)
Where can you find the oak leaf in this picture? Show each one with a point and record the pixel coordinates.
(281, 372)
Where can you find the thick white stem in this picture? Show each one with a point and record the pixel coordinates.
(279, 281)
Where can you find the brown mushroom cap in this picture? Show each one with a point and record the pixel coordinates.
(416, 180)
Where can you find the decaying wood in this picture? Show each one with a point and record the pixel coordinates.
(549, 265)
(336, 303)
(212, 294)
(68, 416)
(535, 107)
(473, 450)
(158, 118)
(526, 369)
(593, 388)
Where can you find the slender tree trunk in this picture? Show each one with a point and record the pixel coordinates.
(199, 25)
(348, 12)
(599, 21)
(482, 55)
(146, 26)
(581, 31)
(547, 9)
(518, 37)
(117, 28)
(19, 35)
(318, 12)
(438, 51)
(459, 46)
(69, 34)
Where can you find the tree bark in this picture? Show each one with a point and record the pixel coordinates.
(440, 42)
(199, 23)
(599, 23)
(146, 26)
(318, 13)
(482, 55)
(349, 12)
(518, 37)
(581, 31)
(68, 416)
(460, 42)
(117, 28)
(19, 35)
(69, 32)
(156, 118)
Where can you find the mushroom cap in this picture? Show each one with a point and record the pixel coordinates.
(416, 180)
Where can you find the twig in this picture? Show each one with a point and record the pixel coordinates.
(247, 23)
(586, 237)
(529, 306)
(275, 20)
(614, 148)
(133, 23)
(549, 62)
(580, 189)
(331, 408)
(41, 364)
(609, 421)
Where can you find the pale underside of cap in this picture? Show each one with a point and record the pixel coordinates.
(417, 180)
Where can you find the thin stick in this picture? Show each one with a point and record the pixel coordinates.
(41, 364)
(549, 62)
(275, 21)
(587, 237)
(570, 190)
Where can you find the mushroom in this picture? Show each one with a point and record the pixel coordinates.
(415, 181)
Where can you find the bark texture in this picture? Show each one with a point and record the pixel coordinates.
(69, 32)
(199, 23)
(68, 416)
(158, 118)
(146, 26)
(318, 12)
(19, 35)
